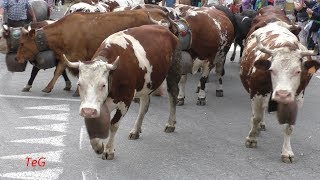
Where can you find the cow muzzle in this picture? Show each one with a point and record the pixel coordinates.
(89, 113)
(283, 96)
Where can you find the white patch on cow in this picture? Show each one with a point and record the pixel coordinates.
(121, 39)
(191, 13)
(202, 94)
(197, 63)
(122, 107)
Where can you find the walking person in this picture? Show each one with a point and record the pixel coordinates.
(302, 17)
(17, 12)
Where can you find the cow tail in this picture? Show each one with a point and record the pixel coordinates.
(174, 74)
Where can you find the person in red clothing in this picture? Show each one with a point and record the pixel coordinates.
(235, 7)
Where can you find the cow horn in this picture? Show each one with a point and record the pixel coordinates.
(5, 27)
(261, 48)
(70, 64)
(24, 31)
(310, 52)
(114, 65)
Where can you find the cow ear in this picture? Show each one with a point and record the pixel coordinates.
(312, 66)
(32, 33)
(262, 64)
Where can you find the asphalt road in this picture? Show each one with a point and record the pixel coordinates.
(208, 142)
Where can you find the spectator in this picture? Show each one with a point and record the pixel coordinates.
(51, 5)
(168, 3)
(246, 4)
(213, 2)
(235, 7)
(302, 17)
(260, 4)
(16, 11)
(314, 14)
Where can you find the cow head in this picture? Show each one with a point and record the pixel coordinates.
(285, 67)
(27, 48)
(94, 84)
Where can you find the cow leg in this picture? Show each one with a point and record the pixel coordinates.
(34, 73)
(67, 80)
(257, 105)
(182, 90)
(121, 110)
(203, 80)
(173, 79)
(57, 72)
(287, 155)
(144, 105)
(234, 51)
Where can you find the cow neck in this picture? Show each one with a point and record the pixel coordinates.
(41, 40)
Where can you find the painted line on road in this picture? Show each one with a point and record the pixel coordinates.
(46, 174)
(38, 98)
(61, 107)
(318, 77)
(82, 133)
(62, 127)
(57, 117)
(54, 141)
(52, 156)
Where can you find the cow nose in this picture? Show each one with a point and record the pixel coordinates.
(88, 112)
(283, 93)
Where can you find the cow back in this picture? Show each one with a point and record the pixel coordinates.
(140, 54)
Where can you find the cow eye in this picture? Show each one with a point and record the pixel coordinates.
(104, 86)
(297, 72)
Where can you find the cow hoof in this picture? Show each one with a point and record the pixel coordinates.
(287, 159)
(136, 100)
(201, 101)
(219, 93)
(180, 102)
(198, 89)
(100, 151)
(107, 156)
(169, 129)
(26, 88)
(133, 136)
(262, 127)
(251, 143)
(46, 90)
(76, 94)
(232, 59)
(68, 86)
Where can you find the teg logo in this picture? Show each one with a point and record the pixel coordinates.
(36, 162)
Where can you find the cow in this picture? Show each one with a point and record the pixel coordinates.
(85, 7)
(212, 35)
(243, 24)
(275, 70)
(81, 42)
(128, 64)
(42, 13)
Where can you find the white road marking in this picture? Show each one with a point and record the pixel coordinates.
(47, 174)
(62, 127)
(38, 98)
(58, 117)
(82, 133)
(62, 107)
(318, 77)
(52, 156)
(54, 141)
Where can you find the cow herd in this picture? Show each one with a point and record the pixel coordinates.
(127, 54)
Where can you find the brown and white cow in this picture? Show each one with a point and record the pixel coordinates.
(128, 64)
(275, 65)
(73, 35)
(212, 35)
